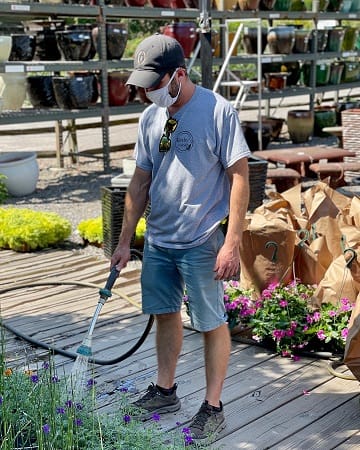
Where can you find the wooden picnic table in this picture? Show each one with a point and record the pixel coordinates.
(300, 158)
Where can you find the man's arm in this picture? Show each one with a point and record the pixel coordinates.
(135, 203)
(228, 259)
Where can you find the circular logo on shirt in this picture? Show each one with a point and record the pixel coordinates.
(184, 141)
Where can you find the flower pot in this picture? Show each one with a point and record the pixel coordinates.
(250, 39)
(184, 33)
(300, 125)
(297, 5)
(351, 72)
(5, 48)
(75, 92)
(250, 129)
(323, 4)
(322, 74)
(355, 6)
(22, 47)
(21, 170)
(281, 39)
(322, 39)
(335, 5)
(292, 68)
(40, 91)
(282, 5)
(85, 27)
(267, 5)
(335, 39)
(116, 40)
(249, 5)
(226, 5)
(46, 45)
(336, 70)
(324, 116)
(302, 38)
(350, 38)
(74, 45)
(118, 90)
(275, 80)
(162, 3)
(346, 6)
(12, 90)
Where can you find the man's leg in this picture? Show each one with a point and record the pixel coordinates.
(169, 336)
(217, 352)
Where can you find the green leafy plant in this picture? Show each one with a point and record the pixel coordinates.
(26, 230)
(40, 410)
(3, 189)
(92, 230)
(283, 318)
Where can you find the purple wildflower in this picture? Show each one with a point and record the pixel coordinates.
(60, 410)
(283, 303)
(1, 400)
(332, 313)
(344, 333)
(55, 379)
(79, 406)
(45, 365)
(278, 334)
(46, 428)
(316, 316)
(155, 417)
(126, 418)
(69, 403)
(78, 422)
(34, 378)
(90, 382)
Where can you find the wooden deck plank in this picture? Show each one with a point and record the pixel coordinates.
(263, 394)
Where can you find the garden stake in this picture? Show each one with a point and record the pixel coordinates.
(84, 351)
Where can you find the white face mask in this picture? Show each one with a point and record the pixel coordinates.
(161, 97)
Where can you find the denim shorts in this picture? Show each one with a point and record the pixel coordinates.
(166, 273)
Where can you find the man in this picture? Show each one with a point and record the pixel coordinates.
(191, 166)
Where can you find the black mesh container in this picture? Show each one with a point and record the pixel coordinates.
(113, 206)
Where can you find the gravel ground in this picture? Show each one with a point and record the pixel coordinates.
(73, 192)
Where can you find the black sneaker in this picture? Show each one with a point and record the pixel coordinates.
(154, 401)
(206, 424)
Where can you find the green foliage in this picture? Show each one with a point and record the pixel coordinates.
(25, 230)
(3, 189)
(41, 409)
(91, 230)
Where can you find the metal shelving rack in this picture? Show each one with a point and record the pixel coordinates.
(102, 13)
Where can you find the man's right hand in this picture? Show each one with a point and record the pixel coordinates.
(120, 257)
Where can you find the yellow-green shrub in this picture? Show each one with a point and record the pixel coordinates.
(25, 230)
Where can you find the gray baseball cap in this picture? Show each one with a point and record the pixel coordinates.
(154, 57)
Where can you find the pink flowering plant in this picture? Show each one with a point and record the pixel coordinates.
(283, 317)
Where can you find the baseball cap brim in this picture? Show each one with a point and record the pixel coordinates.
(145, 78)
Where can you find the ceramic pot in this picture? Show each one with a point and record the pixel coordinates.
(183, 32)
(335, 5)
(346, 7)
(250, 129)
(250, 39)
(163, 3)
(267, 5)
(355, 6)
(74, 92)
(22, 47)
(323, 4)
(351, 72)
(249, 5)
(118, 90)
(292, 68)
(297, 5)
(350, 38)
(74, 45)
(324, 116)
(92, 81)
(40, 91)
(300, 125)
(281, 39)
(12, 90)
(116, 40)
(336, 70)
(46, 48)
(282, 5)
(226, 5)
(302, 38)
(322, 39)
(322, 74)
(275, 124)
(21, 170)
(335, 39)
(275, 80)
(85, 27)
(5, 48)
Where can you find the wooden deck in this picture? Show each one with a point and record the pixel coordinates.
(270, 402)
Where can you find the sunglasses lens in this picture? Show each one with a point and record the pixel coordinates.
(171, 125)
(165, 141)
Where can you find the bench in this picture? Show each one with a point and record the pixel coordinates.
(334, 170)
(283, 178)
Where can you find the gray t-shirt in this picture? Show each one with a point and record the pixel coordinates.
(189, 193)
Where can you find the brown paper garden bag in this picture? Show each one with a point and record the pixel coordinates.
(307, 267)
(352, 346)
(267, 251)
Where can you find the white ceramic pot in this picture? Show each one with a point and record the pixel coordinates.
(5, 48)
(12, 90)
(21, 170)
